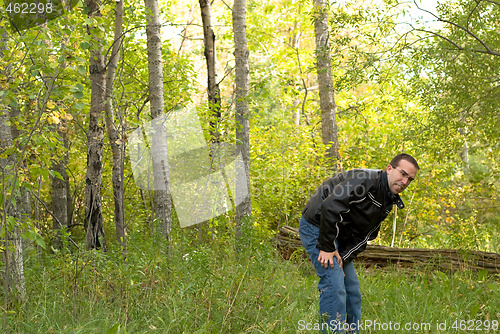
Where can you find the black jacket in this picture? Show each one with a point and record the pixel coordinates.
(350, 207)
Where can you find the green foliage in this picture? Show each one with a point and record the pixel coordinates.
(386, 103)
(451, 81)
(428, 99)
(285, 174)
(195, 288)
(212, 288)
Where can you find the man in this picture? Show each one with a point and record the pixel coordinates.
(344, 213)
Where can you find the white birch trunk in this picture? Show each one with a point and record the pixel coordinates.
(159, 152)
(242, 113)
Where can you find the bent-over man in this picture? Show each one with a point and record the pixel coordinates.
(344, 213)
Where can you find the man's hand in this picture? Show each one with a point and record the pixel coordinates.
(326, 258)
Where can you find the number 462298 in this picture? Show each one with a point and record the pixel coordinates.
(29, 8)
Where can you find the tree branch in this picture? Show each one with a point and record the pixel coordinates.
(461, 48)
(487, 49)
(471, 12)
(494, 2)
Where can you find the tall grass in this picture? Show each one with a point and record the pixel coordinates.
(421, 299)
(211, 288)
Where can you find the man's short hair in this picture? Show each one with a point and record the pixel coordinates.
(403, 156)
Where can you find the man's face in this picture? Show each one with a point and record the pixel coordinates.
(400, 177)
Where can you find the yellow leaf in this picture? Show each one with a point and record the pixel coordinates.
(67, 117)
(51, 104)
(53, 120)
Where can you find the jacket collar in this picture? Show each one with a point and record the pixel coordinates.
(389, 196)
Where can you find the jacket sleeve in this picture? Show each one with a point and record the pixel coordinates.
(351, 189)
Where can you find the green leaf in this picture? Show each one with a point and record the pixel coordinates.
(78, 95)
(77, 91)
(31, 235)
(11, 222)
(35, 172)
(56, 174)
(114, 329)
(39, 240)
(81, 69)
(35, 237)
(76, 88)
(85, 45)
(13, 104)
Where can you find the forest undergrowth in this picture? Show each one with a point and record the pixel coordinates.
(211, 287)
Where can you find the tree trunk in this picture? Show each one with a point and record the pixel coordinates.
(242, 114)
(93, 215)
(60, 192)
(62, 205)
(12, 253)
(113, 133)
(159, 149)
(214, 100)
(326, 93)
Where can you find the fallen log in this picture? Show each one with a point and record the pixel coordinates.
(287, 241)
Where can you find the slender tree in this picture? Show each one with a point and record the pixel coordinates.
(242, 122)
(62, 204)
(14, 210)
(15, 200)
(162, 196)
(214, 99)
(113, 133)
(326, 92)
(93, 215)
(60, 190)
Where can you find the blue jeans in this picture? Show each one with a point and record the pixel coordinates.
(339, 294)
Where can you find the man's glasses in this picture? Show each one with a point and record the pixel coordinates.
(405, 174)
